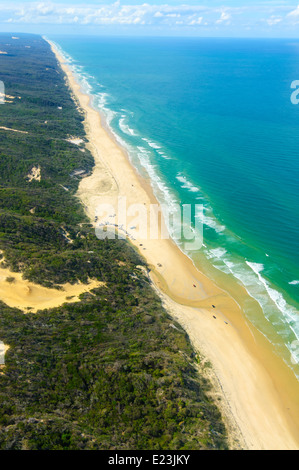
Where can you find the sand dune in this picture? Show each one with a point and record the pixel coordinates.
(13, 130)
(29, 297)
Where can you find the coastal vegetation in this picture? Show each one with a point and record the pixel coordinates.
(113, 371)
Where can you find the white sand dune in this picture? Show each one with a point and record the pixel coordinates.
(19, 293)
(34, 174)
(13, 130)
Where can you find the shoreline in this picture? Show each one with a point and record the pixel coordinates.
(267, 420)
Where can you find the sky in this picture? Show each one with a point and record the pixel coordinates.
(216, 18)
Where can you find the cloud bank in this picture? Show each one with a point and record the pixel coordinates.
(193, 16)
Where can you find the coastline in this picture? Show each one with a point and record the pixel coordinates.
(261, 398)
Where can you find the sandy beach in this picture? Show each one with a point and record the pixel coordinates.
(257, 392)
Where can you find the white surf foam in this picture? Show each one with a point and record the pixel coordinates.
(282, 316)
(277, 298)
(187, 184)
(210, 222)
(125, 128)
(152, 144)
(217, 253)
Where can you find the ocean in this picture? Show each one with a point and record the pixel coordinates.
(211, 122)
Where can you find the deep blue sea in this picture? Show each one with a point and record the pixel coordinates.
(210, 121)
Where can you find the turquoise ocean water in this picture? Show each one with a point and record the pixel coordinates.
(210, 121)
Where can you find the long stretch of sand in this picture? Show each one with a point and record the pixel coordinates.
(259, 394)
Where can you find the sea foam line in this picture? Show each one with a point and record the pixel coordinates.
(125, 128)
(278, 299)
(187, 184)
(282, 316)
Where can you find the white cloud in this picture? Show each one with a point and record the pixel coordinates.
(294, 12)
(160, 15)
(225, 17)
(50, 13)
(196, 22)
(272, 21)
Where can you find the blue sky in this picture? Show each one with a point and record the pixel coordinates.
(268, 18)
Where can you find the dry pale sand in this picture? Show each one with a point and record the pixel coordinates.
(3, 350)
(19, 293)
(34, 174)
(13, 130)
(259, 394)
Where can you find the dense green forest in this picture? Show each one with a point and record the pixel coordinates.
(112, 371)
